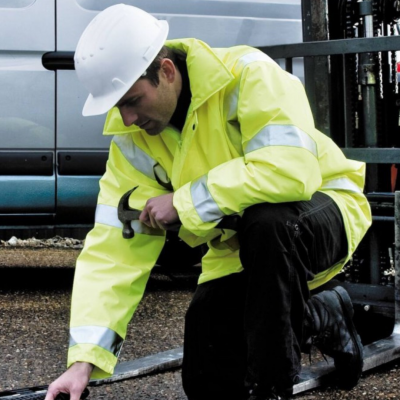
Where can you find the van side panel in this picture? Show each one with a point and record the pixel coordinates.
(27, 107)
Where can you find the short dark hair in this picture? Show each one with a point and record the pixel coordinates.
(154, 67)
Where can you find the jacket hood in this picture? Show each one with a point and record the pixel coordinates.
(204, 82)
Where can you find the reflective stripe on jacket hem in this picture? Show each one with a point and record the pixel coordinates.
(98, 335)
(341, 184)
(108, 215)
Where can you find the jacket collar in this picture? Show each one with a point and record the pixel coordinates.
(207, 75)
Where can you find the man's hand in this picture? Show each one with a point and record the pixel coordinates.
(73, 381)
(160, 213)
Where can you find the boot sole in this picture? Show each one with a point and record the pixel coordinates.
(349, 378)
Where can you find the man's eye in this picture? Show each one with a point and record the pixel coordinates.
(133, 102)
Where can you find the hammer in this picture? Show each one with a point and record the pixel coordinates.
(126, 215)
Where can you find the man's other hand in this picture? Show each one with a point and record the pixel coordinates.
(73, 381)
(160, 213)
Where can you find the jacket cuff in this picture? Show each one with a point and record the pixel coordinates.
(188, 215)
(103, 360)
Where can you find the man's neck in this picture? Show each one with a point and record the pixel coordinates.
(179, 117)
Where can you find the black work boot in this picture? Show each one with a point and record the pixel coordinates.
(329, 324)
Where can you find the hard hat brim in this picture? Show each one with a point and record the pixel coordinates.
(96, 106)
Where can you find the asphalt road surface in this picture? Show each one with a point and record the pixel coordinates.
(35, 290)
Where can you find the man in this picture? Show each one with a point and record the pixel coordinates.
(204, 134)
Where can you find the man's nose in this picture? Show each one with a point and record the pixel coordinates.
(128, 117)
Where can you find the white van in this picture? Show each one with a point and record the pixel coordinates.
(51, 158)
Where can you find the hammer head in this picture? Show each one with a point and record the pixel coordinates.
(126, 214)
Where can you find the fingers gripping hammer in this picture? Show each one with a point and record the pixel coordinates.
(126, 215)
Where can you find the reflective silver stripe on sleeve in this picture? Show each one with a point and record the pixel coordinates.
(136, 157)
(108, 215)
(341, 184)
(281, 135)
(203, 202)
(97, 335)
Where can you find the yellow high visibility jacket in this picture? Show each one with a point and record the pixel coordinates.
(249, 137)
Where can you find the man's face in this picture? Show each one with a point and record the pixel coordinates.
(147, 106)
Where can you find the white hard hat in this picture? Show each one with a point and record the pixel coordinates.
(115, 49)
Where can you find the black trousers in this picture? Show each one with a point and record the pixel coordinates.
(246, 329)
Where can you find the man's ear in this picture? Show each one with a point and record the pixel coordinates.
(168, 69)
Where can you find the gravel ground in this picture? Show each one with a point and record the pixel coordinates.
(34, 314)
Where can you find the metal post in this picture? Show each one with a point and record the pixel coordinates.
(317, 69)
(368, 80)
(289, 65)
(374, 270)
(397, 262)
